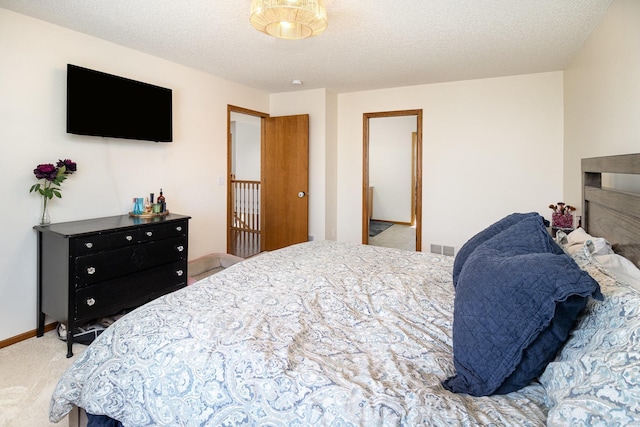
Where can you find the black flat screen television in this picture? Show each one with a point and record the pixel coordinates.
(102, 104)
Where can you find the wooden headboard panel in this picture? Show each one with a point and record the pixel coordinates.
(609, 213)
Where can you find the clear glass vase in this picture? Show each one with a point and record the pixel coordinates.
(562, 220)
(45, 219)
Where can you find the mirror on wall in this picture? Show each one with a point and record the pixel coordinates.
(392, 179)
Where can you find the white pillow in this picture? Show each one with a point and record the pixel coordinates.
(580, 241)
(599, 251)
(578, 236)
(619, 268)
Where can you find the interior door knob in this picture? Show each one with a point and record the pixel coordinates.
(301, 194)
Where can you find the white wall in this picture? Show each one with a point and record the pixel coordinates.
(246, 143)
(33, 59)
(602, 94)
(490, 147)
(331, 165)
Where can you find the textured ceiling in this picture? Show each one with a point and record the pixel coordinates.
(369, 44)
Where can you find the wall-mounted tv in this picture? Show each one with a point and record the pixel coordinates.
(102, 104)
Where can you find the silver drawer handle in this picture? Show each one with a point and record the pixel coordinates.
(129, 238)
(91, 270)
(180, 248)
(179, 273)
(90, 302)
(149, 233)
(178, 228)
(89, 245)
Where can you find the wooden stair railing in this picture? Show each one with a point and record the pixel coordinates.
(245, 224)
(246, 205)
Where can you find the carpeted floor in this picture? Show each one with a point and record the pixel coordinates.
(376, 227)
(29, 371)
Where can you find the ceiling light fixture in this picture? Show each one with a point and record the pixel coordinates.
(289, 19)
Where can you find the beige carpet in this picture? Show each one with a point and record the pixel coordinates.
(29, 371)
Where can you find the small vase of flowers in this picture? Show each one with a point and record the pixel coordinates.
(562, 216)
(53, 176)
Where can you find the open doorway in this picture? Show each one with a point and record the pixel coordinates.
(268, 181)
(244, 187)
(392, 179)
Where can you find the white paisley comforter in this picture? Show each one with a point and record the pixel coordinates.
(320, 333)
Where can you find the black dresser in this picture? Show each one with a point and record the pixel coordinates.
(97, 267)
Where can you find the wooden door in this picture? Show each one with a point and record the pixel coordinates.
(285, 181)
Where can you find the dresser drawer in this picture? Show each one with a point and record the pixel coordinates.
(109, 297)
(99, 242)
(164, 231)
(109, 264)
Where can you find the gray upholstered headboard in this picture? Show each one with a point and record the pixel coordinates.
(612, 214)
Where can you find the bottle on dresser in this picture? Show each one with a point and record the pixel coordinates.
(161, 200)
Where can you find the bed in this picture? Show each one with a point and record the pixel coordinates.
(517, 329)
